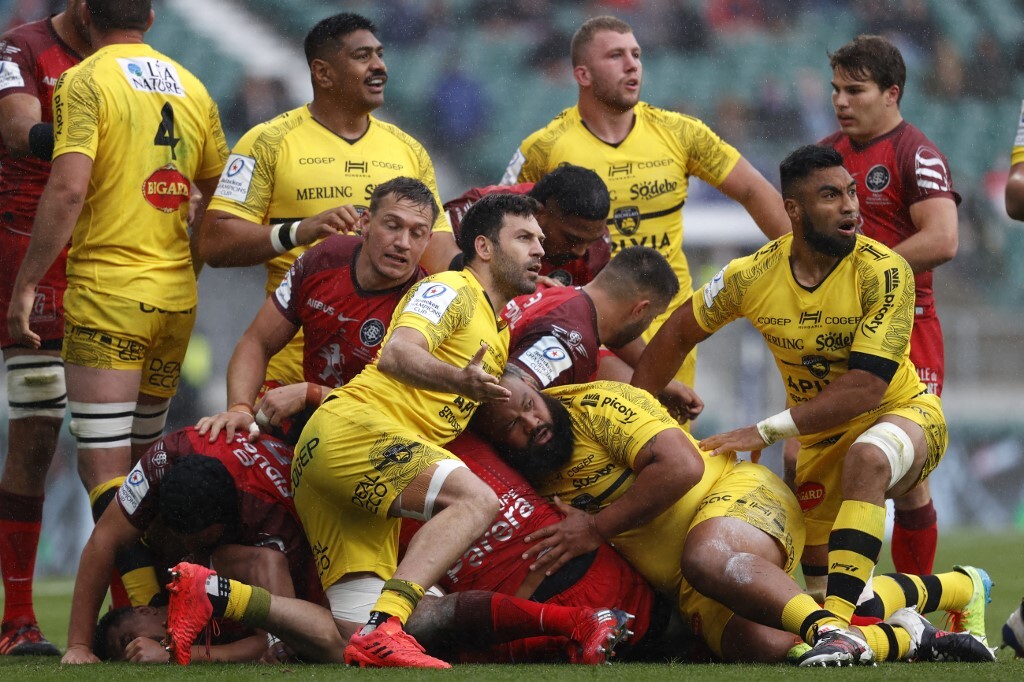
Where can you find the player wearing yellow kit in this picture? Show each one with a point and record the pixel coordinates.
(373, 452)
(644, 154)
(1015, 183)
(134, 131)
(836, 310)
(311, 171)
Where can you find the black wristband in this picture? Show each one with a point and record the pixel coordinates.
(40, 141)
(285, 235)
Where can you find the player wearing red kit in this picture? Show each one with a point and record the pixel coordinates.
(32, 57)
(907, 203)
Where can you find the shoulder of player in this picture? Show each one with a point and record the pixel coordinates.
(878, 255)
(273, 133)
(835, 140)
(399, 134)
(333, 252)
(762, 260)
(558, 126)
(666, 118)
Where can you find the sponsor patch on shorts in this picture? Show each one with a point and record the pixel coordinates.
(10, 76)
(547, 358)
(133, 490)
(431, 301)
(237, 178)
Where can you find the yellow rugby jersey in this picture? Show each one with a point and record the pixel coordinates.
(292, 167)
(455, 315)
(1018, 142)
(647, 174)
(150, 128)
(865, 305)
(611, 422)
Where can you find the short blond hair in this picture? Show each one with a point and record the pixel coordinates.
(590, 28)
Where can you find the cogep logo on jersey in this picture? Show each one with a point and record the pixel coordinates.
(167, 189)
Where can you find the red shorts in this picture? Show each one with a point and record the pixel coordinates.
(47, 318)
(926, 348)
(610, 582)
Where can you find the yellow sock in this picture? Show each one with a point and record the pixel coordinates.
(956, 591)
(399, 598)
(889, 643)
(853, 548)
(238, 600)
(802, 616)
(101, 496)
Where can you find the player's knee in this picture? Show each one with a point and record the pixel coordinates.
(888, 455)
(702, 563)
(36, 386)
(101, 425)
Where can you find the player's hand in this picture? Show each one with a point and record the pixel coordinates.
(746, 439)
(18, 313)
(78, 654)
(556, 544)
(545, 281)
(681, 401)
(280, 403)
(478, 385)
(229, 423)
(337, 220)
(276, 654)
(146, 650)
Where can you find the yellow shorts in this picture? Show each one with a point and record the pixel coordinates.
(349, 466)
(285, 367)
(110, 332)
(688, 370)
(819, 467)
(751, 493)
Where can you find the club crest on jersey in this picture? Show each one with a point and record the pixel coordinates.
(817, 365)
(371, 333)
(627, 220)
(167, 189)
(877, 178)
(561, 276)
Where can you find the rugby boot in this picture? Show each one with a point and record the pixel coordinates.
(928, 643)
(189, 610)
(25, 639)
(835, 647)
(972, 617)
(1013, 631)
(597, 633)
(389, 646)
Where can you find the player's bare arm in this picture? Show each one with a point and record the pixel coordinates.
(666, 467)
(58, 211)
(849, 396)
(665, 352)
(407, 358)
(1015, 192)
(681, 401)
(937, 237)
(225, 240)
(747, 186)
(269, 332)
(440, 252)
(18, 113)
(112, 534)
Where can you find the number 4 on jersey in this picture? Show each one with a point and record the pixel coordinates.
(165, 131)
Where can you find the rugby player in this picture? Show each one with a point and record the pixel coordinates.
(645, 155)
(1015, 183)
(311, 171)
(342, 292)
(32, 57)
(907, 203)
(134, 131)
(186, 497)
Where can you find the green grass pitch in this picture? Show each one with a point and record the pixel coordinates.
(1001, 554)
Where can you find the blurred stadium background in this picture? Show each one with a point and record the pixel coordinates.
(471, 78)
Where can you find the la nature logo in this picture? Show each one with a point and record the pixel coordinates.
(167, 189)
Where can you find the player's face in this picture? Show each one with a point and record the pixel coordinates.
(517, 253)
(74, 13)
(145, 621)
(864, 110)
(394, 239)
(611, 68)
(359, 73)
(567, 237)
(829, 211)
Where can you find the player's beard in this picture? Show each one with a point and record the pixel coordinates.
(510, 278)
(536, 462)
(835, 246)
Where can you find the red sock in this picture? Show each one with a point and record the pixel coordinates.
(20, 519)
(915, 536)
(489, 618)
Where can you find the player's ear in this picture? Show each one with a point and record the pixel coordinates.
(484, 247)
(149, 21)
(792, 209)
(322, 73)
(892, 95)
(582, 75)
(640, 308)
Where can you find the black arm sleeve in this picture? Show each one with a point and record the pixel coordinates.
(40, 141)
(882, 368)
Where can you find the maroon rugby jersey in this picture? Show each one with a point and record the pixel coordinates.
(554, 335)
(261, 471)
(343, 324)
(32, 57)
(578, 271)
(893, 172)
